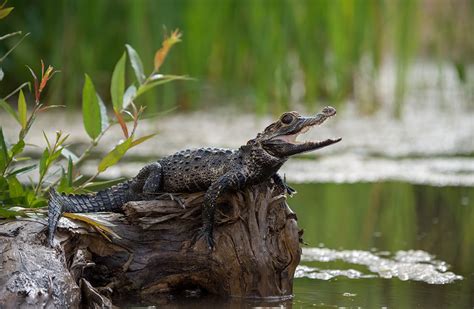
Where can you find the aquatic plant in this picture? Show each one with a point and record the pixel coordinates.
(265, 54)
(17, 198)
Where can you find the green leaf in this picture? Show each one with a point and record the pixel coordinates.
(20, 159)
(55, 155)
(65, 183)
(163, 79)
(68, 154)
(117, 85)
(23, 170)
(136, 63)
(104, 119)
(38, 202)
(98, 185)
(30, 197)
(4, 12)
(119, 151)
(9, 110)
(115, 155)
(140, 140)
(62, 179)
(22, 109)
(70, 166)
(47, 140)
(44, 161)
(4, 158)
(15, 188)
(91, 110)
(129, 95)
(1, 74)
(17, 148)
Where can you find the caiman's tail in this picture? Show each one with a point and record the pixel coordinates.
(111, 199)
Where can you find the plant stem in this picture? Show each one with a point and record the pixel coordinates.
(93, 143)
(16, 90)
(6, 36)
(14, 46)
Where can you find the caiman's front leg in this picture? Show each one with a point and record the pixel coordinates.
(147, 184)
(229, 181)
(148, 180)
(282, 183)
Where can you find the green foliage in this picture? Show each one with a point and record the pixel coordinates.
(58, 165)
(93, 113)
(119, 151)
(22, 110)
(136, 63)
(4, 12)
(257, 51)
(117, 86)
(115, 155)
(9, 110)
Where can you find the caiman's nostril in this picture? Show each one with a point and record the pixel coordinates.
(329, 111)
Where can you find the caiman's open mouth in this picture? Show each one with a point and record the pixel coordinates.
(284, 141)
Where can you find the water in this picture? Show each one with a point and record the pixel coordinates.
(385, 244)
(374, 245)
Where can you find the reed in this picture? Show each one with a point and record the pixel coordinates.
(267, 55)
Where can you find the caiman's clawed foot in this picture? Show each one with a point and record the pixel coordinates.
(178, 200)
(207, 235)
(281, 183)
(150, 196)
(290, 190)
(175, 198)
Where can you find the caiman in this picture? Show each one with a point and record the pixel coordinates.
(213, 170)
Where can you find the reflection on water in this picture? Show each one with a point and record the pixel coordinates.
(413, 265)
(392, 244)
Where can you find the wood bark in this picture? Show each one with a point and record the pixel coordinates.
(158, 253)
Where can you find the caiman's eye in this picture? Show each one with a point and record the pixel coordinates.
(287, 118)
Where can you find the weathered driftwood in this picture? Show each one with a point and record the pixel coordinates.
(256, 254)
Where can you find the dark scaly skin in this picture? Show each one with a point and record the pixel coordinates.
(213, 170)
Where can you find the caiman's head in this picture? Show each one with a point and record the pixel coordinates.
(279, 138)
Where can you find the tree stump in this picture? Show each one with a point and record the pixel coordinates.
(159, 253)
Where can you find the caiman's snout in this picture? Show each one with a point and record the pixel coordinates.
(283, 142)
(320, 117)
(329, 111)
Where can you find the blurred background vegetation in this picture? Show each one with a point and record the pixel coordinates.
(266, 55)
